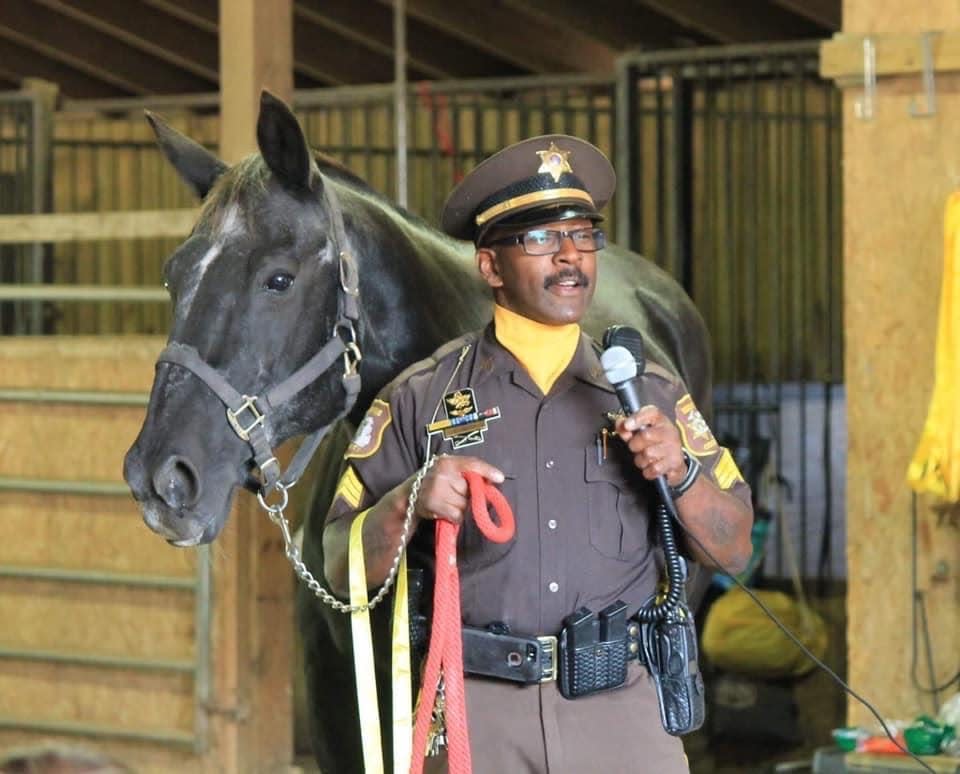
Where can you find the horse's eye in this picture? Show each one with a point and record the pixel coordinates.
(279, 282)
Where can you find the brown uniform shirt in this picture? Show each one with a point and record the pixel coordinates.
(583, 512)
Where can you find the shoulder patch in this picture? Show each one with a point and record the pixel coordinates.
(366, 441)
(694, 430)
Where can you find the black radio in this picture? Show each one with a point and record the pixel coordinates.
(669, 648)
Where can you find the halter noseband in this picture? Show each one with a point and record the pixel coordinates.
(247, 414)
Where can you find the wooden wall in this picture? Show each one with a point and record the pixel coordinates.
(897, 173)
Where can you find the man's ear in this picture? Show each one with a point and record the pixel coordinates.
(489, 267)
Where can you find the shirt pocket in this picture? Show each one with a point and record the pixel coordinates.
(617, 514)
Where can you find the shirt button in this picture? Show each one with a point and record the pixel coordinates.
(549, 464)
(552, 524)
(554, 587)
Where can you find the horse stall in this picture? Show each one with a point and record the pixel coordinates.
(106, 634)
(181, 659)
(109, 635)
(113, 641)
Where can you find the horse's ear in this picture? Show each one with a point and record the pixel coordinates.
(283, 145)
(198, 167)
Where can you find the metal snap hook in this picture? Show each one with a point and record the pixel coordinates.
(278, 508)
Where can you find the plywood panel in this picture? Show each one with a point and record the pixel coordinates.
(898, 172)
(896, 16)
(121, 364)
(119, 698)
(68, 442)
(93, 619)
(84, 532)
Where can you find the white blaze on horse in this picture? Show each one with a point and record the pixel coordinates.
(294, 270)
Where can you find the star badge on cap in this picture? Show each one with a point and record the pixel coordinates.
(554, 162)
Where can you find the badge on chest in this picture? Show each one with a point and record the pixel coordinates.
(465, 424)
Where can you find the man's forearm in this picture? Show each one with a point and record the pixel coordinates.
(382, 533)
(719, 522)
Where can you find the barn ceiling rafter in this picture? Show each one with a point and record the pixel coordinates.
(116, 48)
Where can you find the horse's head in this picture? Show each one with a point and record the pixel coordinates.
(258, 287)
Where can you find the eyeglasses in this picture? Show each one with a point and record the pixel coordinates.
(543, 241)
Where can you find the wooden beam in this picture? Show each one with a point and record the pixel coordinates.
(743, 21)
(332, 58)
(528, 47)
(562, 26)
(96, 226)
(18, 62)
(842, 57)
(825, 13)
(90, 51)
(430, 53)
(618, 24)
(256, 52)
(148, 30)
(372, 30)
(201, 14)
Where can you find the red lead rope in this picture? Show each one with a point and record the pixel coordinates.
(446, 640)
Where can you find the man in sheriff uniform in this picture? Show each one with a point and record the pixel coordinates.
(545, 426)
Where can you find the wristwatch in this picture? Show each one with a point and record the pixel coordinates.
(693, 470)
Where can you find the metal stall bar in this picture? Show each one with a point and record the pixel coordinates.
(97, 578)
(82, 293)
(73, 397)
(171, 738)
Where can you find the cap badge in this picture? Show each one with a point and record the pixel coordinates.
(554, 162)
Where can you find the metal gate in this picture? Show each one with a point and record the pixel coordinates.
(728, 162)
(24, 188)
(452, 127)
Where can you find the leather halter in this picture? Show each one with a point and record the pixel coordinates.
(248, 414)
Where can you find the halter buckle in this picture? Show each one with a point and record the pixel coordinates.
(351, 359)
(233, 417)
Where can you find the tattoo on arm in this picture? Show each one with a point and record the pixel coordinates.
(722, 532)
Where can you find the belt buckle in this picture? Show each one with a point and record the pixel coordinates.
(548, 653)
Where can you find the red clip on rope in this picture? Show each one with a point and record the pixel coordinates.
(446, 639)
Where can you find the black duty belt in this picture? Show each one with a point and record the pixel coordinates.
(490, 653)
(582, 665)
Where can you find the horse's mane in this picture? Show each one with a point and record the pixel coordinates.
(246, 180)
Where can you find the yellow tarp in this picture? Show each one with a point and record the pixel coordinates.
(935, 468)
(739, 637)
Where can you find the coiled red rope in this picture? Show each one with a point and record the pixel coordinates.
(446, 638)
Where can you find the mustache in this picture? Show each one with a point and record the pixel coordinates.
(567, 274)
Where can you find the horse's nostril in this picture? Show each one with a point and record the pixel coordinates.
(176, 482)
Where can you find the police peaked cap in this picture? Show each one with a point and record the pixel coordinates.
(543, 179)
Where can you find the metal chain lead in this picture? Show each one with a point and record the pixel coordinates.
(275, 513)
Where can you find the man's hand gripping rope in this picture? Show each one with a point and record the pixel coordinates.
(446, 641)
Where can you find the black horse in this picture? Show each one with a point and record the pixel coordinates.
(260, 287)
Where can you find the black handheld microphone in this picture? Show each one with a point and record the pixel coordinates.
(621, 366)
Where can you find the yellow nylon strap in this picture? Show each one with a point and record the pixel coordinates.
(363, 654)
(401, 675)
